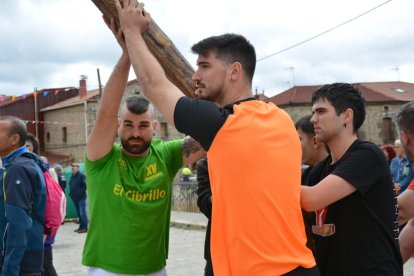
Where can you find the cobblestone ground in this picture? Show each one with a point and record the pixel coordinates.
(185, 258)
(186, 253)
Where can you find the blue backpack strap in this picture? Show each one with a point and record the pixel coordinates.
(40, 169)
(36, 158)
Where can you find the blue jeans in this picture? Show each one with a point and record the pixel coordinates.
(81, 210)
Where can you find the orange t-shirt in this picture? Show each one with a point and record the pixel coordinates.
(255, 169)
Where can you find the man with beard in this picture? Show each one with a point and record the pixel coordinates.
(405, 121)
(130, 184)
(253, 152)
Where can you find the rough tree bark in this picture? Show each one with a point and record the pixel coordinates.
(176, 67)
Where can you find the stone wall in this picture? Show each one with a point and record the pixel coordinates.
(66, 131)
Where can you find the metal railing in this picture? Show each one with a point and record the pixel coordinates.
(184, 196)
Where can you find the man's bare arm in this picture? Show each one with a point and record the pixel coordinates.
(161, 92)
(103, 134)
(331, 189)
(192, 151)
(407, 241)
(405, 206)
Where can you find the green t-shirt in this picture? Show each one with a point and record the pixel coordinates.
(130, 205)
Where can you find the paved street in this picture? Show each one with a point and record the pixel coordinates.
(186, 249)
(185, 258)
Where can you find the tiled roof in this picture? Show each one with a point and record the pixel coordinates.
(371, 91)
(73, 101)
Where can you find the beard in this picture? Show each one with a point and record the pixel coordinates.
(135, 148)
(212, 94)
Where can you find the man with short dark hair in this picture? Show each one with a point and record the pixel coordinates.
(351, 190)
(252, 146)
(22, 203)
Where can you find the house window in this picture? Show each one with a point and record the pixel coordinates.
(64, 134)
(387, 128)
(48, 137)
(164, 130)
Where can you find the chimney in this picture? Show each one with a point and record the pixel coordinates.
(82, 86)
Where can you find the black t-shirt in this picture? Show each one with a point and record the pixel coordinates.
(201, 119)
(366, 237)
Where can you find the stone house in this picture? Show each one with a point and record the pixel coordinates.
(383, 100)
(65, 140)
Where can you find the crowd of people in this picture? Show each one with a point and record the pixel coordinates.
(341, 215)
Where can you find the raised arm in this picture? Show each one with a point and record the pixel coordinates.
(134, 21)
(103, 134)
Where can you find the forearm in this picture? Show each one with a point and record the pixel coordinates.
(308, 199)
(114, 89)
(104, 131)
(147, 69)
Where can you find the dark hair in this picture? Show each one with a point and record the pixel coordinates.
(138, 105)
(17, 126)
(343, 96)
(32, 139)
(305, 125)
(390, 151)
(405, 118)
(230, 48)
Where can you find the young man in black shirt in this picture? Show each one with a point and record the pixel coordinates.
(257, 227)
(351, 190)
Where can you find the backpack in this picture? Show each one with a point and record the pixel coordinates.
(55, 210)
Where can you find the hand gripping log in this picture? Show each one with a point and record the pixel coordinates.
(176, 67)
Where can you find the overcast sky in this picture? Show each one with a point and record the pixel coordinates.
(50, 43)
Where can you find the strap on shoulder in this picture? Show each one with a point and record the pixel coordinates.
(36, 158)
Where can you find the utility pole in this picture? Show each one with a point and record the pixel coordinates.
(36, 113)
(99, 82)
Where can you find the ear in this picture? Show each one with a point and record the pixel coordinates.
(236, 71)
(155, 125)
(316, 144)
(15, 140)
(348, 117)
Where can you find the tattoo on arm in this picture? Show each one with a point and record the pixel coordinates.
(190, 146)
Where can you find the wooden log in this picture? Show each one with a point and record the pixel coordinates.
(176, 67)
